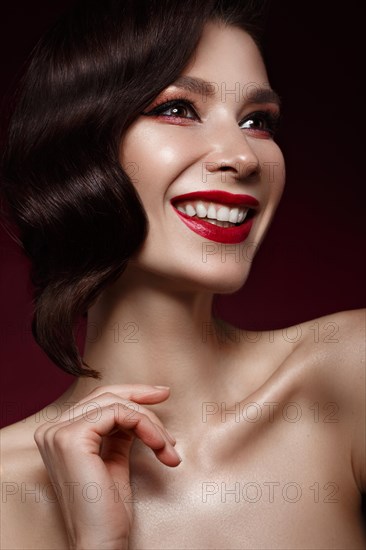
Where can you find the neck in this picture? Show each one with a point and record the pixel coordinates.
(143, 331)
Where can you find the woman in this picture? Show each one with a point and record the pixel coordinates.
(142, 186)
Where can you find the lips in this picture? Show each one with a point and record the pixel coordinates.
(230, 235)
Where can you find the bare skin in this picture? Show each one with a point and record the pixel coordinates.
(297, 466)
(270, 427)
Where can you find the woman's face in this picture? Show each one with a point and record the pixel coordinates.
(219, 138)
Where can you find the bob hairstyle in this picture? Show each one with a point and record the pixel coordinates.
(79, 215)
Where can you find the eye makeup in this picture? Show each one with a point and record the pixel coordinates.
(267, 117)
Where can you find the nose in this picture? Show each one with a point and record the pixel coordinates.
(232, 153)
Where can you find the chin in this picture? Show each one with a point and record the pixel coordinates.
(217, 278)
(217, 268)
(225, 281)
(225, 271)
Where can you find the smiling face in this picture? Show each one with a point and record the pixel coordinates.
(218, 138)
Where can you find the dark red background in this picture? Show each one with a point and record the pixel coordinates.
(311, 262)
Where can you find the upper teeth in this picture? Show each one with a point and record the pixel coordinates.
(214, 211)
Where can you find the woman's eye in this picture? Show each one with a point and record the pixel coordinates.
(265, 123)
(179, 110)
(174, 109)
(262, 123)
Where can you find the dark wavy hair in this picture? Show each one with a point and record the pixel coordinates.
(77, 211)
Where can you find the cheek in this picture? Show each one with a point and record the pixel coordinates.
(272, 180)
(156, 157)
(273, 172)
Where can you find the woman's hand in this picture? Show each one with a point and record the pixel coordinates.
(89, 448)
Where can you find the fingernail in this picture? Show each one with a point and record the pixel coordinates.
(162, 387)
(178, 455)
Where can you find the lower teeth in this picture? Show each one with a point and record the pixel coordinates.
(217, 222)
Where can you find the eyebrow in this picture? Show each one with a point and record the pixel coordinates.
(209, 89)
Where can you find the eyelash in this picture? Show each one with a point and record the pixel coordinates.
(270, 119)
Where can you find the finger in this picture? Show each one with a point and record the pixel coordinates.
(140, 393)
(60, 439)
(171, 439)
(93, 409)
(166, 452)
(168, 456)
(144, 393)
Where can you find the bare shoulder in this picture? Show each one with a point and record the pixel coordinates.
(330, 347)
(20, 467)
(333, 348)
(337, 343)
(333, 342)
(23, 483)
(346, 325)
(19, 453)
(320, 361)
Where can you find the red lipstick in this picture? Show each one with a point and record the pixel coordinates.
(221, 197)
(228, 235)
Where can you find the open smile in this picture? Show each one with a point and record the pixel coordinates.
(217, 215)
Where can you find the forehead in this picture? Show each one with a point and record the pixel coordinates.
(227, 55)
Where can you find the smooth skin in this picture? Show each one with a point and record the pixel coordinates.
(270, 426)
